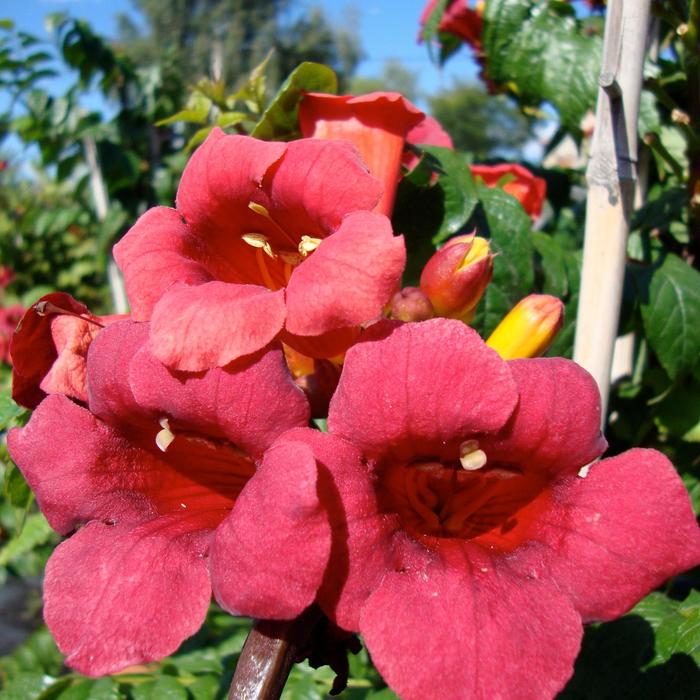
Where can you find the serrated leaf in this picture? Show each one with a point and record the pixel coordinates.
(459, 192)
(508, 227)
(670, 304)
(280, 119)
(543, 54)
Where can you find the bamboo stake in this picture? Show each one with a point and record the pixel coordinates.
(611, 177)
(101, 200)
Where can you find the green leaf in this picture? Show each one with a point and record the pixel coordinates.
(36, 531)
(9, 411)
(678, 632)
(543, 54)
(678, 414)
(164, 688)
(431, 26)
(670, 304)
(15, 487)
(508, 226)
(198, 137)
(197, 111)
(459, 192)
(84, 689)
(26, 686)
(280, 119)
(556, 279)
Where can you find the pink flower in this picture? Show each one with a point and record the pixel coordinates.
(458, 19)
(142, 479)
(465, 548)
(376, 124)
(529, 190)
(268, 239)
(49, 349)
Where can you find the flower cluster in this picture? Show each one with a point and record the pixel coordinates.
(444, 515)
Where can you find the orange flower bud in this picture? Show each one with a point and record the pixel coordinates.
(529, 328)
(456, 276)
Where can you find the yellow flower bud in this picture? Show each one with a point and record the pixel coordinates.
(529, 328)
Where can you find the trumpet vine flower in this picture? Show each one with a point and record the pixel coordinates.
(466, 547)
(268, 239)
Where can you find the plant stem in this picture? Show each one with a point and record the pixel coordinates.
(270, 651)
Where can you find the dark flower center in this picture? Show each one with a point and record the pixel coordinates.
(466, 498)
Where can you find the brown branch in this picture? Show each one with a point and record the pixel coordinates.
(270, 651)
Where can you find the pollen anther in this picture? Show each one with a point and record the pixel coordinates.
(165, 436)
(308, 244)
(257, 240)
(470, 456)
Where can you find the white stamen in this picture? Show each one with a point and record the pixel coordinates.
(165, 436)
(308, 244)
(583, 471)
(257, 240)
(470, 456)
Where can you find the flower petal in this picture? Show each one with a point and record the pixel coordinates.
(109, 359)
(78, 467)
(34, 352)
(420, 390)
(362, 550)
(348, 279)
(270, 554)
(195, 328)
(220, 180)
(453, 631)
(115, 596)
(616, 535)
(250, 402)
(556, 425)
(156, 252)
(317, 183)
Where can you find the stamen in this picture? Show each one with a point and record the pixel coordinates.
(290, 258)
(165, 436)
(308, 244)
(257, 240)
(262, 211)
(470, 456)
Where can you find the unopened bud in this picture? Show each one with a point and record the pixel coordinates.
(411, 304)
(456, 276)
(529, 328)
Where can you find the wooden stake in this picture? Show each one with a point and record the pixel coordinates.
(611, 176)
(101, 200)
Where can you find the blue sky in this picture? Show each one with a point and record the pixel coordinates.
(387, 29)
